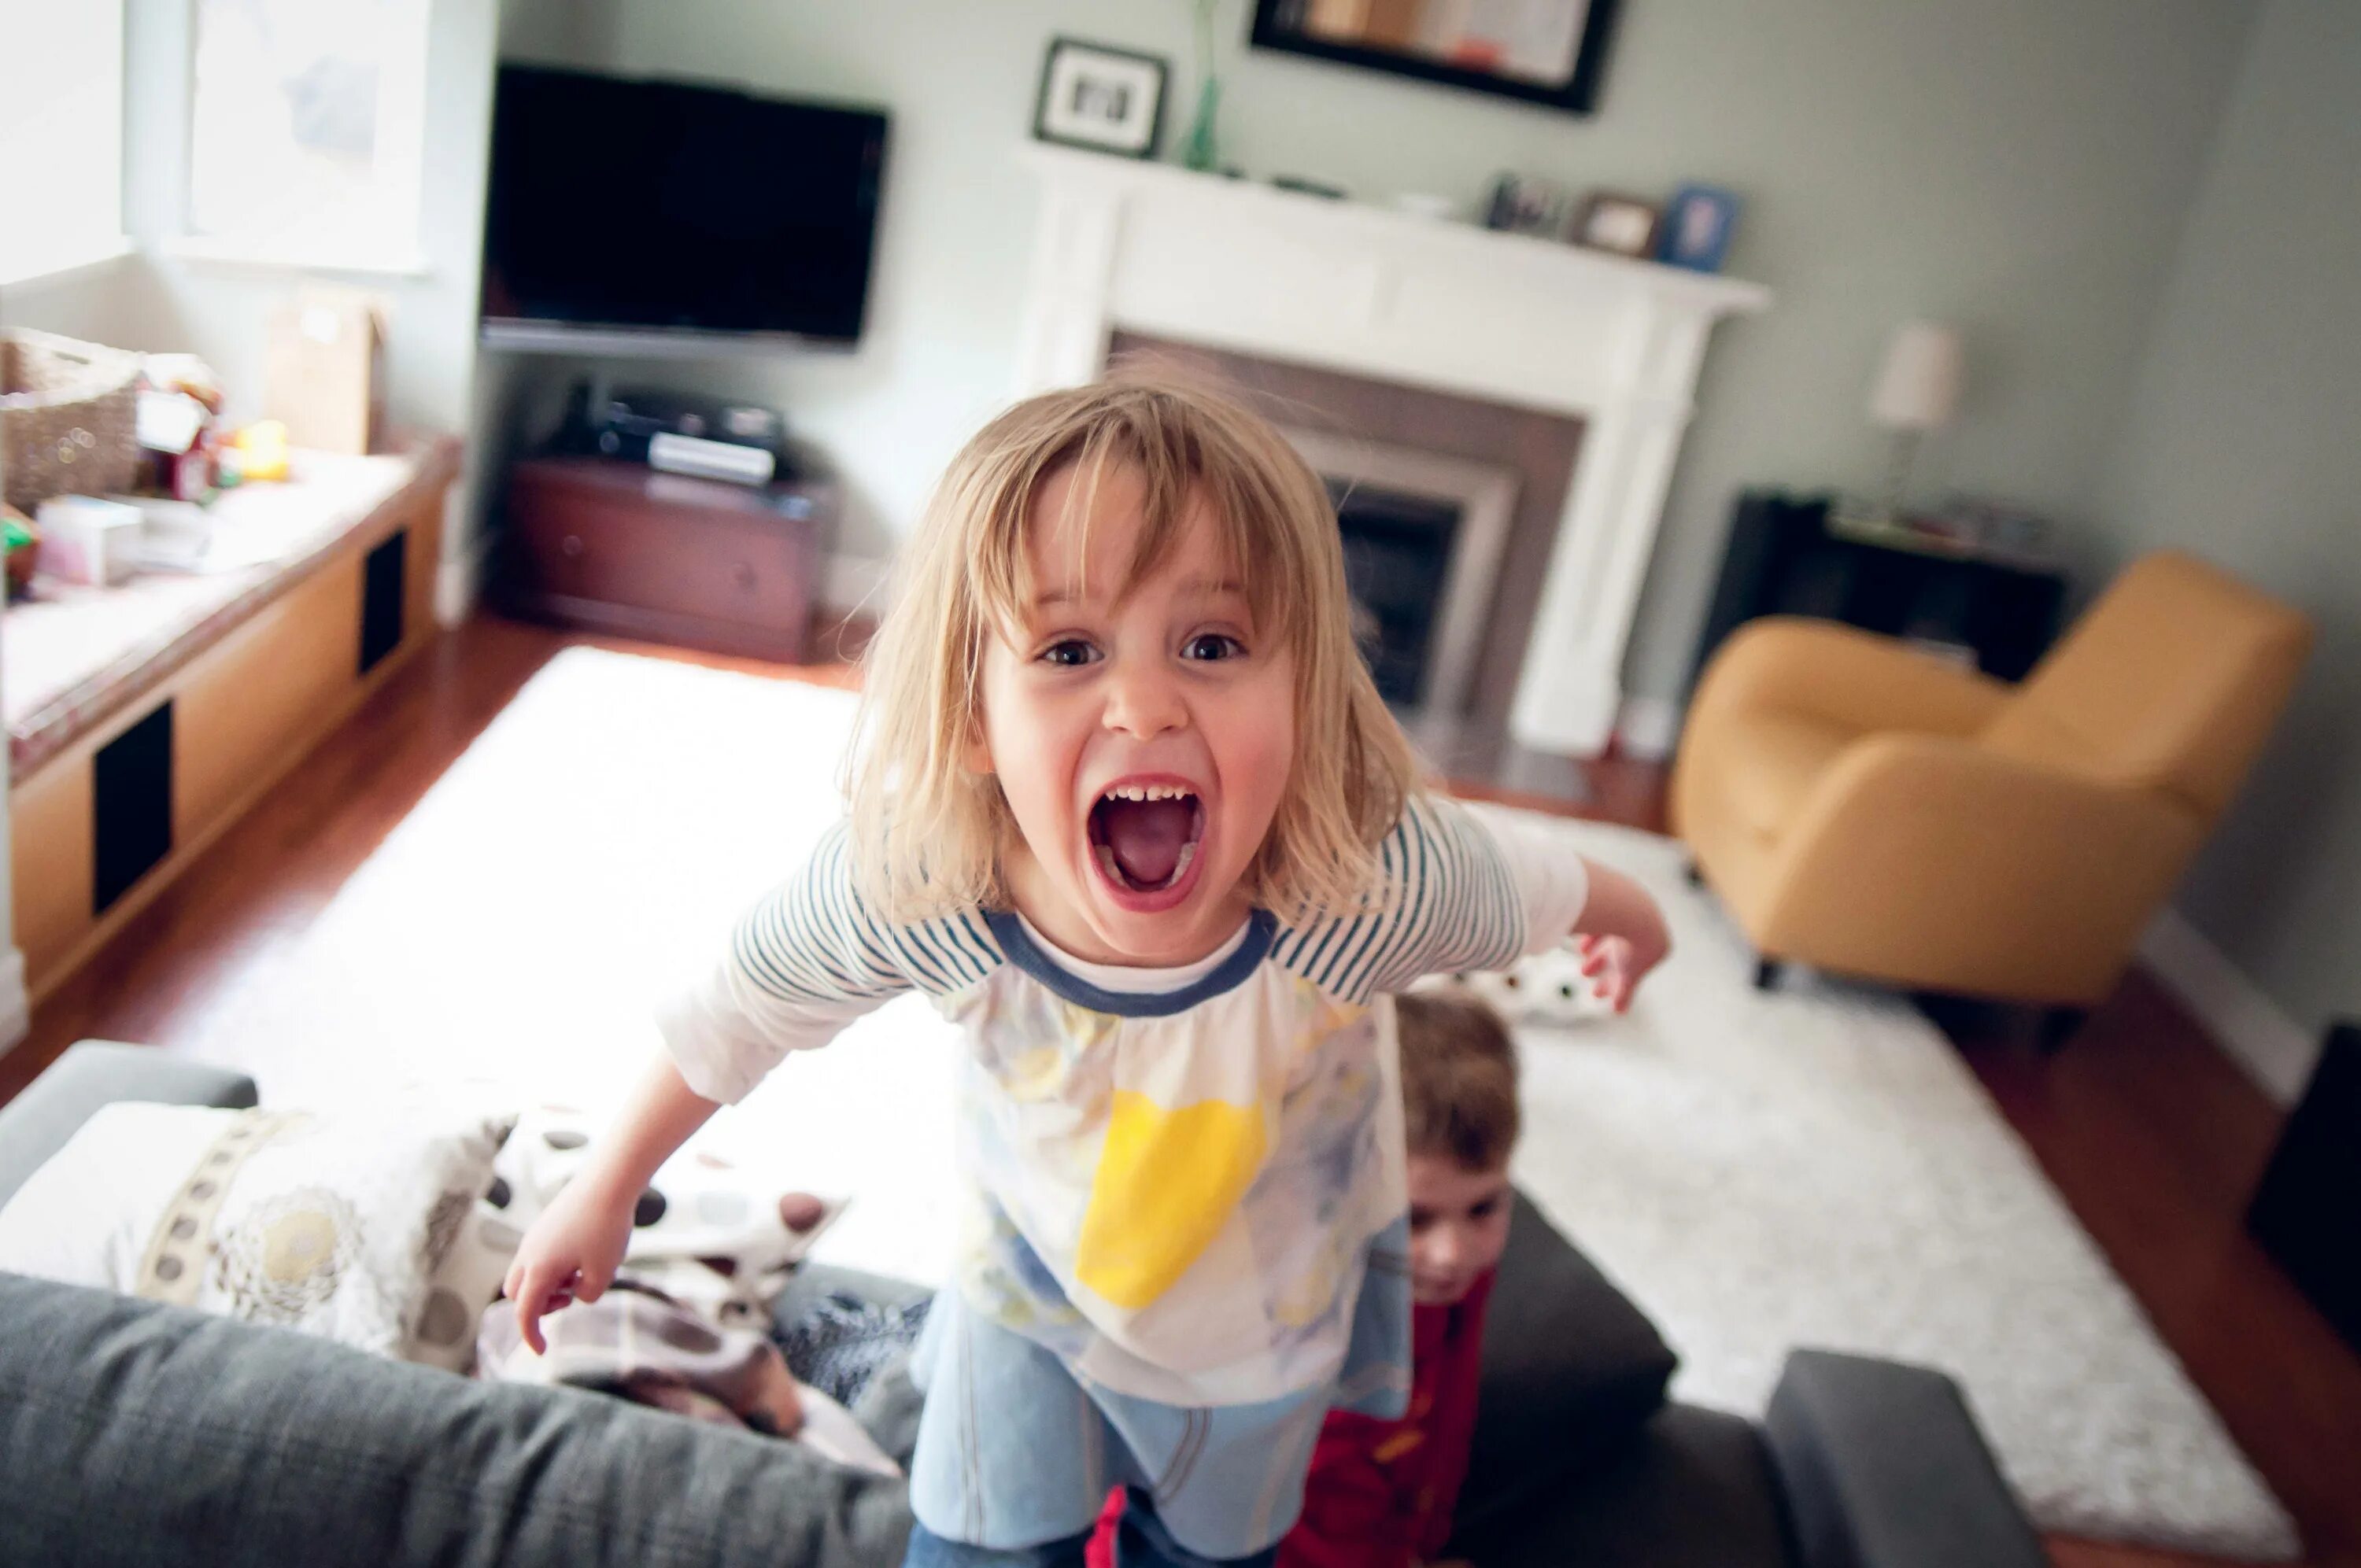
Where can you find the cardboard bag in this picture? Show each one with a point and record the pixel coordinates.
(325, 375)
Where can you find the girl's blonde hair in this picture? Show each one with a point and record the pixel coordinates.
(928, 833)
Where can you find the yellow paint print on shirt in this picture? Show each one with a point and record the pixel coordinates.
(1167, 1182)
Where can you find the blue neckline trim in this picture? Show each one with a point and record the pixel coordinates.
(1229, 974)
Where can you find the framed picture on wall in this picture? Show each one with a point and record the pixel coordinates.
(1108, 100)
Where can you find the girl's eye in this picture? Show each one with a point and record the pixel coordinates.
(1208, 645)
(1071, 652)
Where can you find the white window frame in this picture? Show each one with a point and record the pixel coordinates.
(78, 49)
(402, 140)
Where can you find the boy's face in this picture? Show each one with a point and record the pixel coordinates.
(1458, 1225)
(1143, 744)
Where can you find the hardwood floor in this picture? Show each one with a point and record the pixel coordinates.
(2152, 1136)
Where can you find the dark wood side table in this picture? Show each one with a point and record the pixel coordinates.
(617, 547)
(1785, 559)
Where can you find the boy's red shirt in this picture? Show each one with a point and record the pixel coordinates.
(1379, 1492)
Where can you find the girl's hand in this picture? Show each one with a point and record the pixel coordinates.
(570, 1254)
(1620, 937)
(1615, 966)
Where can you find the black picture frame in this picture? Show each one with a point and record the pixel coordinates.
(1044, 131)
(1579, 96)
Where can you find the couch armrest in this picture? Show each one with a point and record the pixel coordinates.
(92, 1073)
(1852, 679)
(1882, 1467)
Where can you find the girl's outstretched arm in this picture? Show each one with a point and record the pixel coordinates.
(572, 1250)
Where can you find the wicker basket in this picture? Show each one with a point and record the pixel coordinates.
(68, 413)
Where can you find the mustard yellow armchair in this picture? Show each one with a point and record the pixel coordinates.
(1868, 809)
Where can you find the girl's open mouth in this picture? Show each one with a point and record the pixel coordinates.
(1144, 838)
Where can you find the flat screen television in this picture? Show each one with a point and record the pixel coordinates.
(627, 214)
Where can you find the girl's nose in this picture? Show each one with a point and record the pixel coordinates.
(1144, 702)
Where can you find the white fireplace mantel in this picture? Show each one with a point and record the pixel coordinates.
(1226, 264)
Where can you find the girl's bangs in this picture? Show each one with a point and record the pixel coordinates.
(1255, 540)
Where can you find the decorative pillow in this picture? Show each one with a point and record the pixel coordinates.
(474, 1257)
(703, 1231)
(329, 1224)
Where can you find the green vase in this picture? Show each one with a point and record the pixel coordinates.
(1198, 151)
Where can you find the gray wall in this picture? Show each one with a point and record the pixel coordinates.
(2018, 166)
(2244, 444)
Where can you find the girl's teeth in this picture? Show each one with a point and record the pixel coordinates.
(1181, 866)
(1147, 791)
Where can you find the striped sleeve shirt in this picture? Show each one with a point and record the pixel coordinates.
(1177, 1175)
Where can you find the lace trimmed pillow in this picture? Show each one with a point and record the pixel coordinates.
(335, 1224)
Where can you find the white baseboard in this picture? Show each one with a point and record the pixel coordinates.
(2275, 1050)
(15, 1008)
(854, 582)
(459, 583)
(1649, 727)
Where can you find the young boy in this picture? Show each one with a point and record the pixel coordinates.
(1380, 1493)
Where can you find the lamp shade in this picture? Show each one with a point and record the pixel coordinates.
(1918, 384)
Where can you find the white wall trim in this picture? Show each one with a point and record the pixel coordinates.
(2275, 1050)
(15, 1007)
(851, 583)
(459, 578)
(1648, 728)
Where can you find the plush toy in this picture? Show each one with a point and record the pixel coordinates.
(1547, 988)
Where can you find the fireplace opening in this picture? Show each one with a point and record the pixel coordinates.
(1397, 555)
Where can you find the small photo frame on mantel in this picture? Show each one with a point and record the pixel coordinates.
(1610, 221)
(1696, 232)
(1106, 100)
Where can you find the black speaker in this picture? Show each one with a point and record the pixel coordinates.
(131, 807)
(381, 599)
(2307, 1213)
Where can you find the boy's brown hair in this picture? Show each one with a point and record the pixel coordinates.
(1458, 1079)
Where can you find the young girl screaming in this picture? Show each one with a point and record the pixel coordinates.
(1128, 809)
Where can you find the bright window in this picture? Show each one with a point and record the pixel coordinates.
(307, 124)
(60, 134)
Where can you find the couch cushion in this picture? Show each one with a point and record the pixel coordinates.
(1571, 1369)
(1693, 1489)
(1771, 762)
(136, 1433)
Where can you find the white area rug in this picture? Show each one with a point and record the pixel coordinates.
(1815, 1167)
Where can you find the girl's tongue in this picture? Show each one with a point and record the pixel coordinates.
(1145, 837)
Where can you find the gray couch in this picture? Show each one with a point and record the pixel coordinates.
(135, 1433)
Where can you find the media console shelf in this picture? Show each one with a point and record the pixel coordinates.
(144, 720)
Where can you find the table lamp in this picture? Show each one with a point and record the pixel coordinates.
(1917, 391)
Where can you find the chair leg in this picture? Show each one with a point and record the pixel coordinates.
(1767, 972)
(2060, 1025)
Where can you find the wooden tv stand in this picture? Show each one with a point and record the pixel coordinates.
(617, 547)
